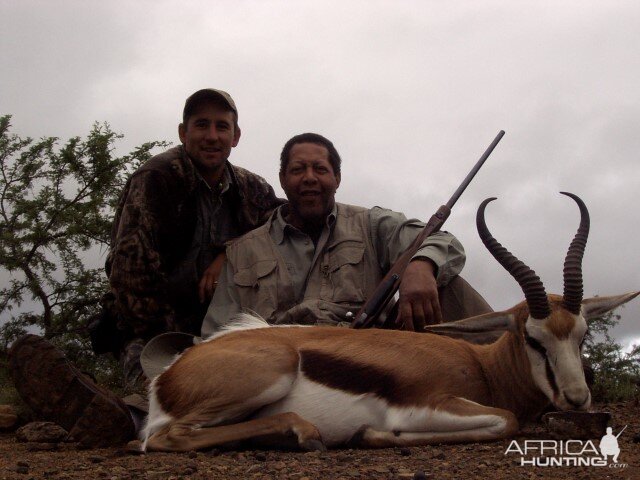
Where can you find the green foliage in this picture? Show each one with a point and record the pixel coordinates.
(616, 373)
(56, 208)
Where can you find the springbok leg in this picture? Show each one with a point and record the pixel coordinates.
(458, 420)
(186, 434)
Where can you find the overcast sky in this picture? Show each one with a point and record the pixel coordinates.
(410, 92)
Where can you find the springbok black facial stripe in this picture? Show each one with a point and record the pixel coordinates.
(584, 338)
(535, 344)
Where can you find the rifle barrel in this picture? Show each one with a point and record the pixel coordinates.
(386, 289)
(465, 183)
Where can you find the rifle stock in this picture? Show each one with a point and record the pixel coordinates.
(369, 314)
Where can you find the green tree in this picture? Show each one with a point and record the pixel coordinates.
(616, 373)
(56, 208)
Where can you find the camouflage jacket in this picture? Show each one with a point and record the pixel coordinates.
(152, 231)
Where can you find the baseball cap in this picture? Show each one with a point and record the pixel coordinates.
(206, 94)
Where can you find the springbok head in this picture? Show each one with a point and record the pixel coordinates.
(550, 329)
(553, 328)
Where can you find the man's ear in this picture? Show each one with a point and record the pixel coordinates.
(281, 177)
(182, 131)
(236, 136)
(337, 180)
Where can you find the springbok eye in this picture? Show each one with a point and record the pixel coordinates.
(535, 344)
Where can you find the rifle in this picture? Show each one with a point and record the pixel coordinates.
(620, 433)
(370, 312)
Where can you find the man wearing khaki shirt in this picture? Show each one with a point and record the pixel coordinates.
(316, 261)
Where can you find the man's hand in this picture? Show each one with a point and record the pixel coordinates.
(209, 279)
(419, 304)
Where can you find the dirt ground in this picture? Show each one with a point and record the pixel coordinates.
(472, 461)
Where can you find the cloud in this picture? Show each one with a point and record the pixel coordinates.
(411, 93)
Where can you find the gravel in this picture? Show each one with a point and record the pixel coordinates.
(466, 461)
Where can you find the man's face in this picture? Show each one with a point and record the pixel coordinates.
(208, 137)
(309, 183)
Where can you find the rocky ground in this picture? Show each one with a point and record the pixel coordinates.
(25, 460)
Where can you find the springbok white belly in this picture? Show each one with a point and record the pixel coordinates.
(336, 414)
(339, 415)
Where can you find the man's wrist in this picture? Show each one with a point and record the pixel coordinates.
(432, 265)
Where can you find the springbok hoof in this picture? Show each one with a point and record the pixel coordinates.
(134, 447)
(313, 445)
(356, 440)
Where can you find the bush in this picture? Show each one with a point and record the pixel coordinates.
(616, 373)
(56, 208)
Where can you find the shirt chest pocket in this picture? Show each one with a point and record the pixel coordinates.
(258, 287)
(345, 269)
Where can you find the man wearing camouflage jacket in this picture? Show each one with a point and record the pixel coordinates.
(174, 217)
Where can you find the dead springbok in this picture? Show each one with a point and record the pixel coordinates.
(328, 386)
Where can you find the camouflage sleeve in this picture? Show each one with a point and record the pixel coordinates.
(135, 265)
(259, 199)
(271, 202)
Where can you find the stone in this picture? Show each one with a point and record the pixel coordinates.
(439, 455)
(576, 425)
(8, 417)
(41, 432)
(253, 468)
(41, 447)
(380, 469)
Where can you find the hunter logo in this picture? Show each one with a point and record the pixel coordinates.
(568, 453)
(609, 445)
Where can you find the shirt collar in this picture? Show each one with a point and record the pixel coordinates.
(279, 226)
(223, 185)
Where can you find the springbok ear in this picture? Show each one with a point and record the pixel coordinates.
(484, 328)
(598, 306)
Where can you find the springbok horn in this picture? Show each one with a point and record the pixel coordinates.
(529, 282)
(572, 296)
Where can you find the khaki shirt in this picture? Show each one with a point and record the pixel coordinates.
(277, 272)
